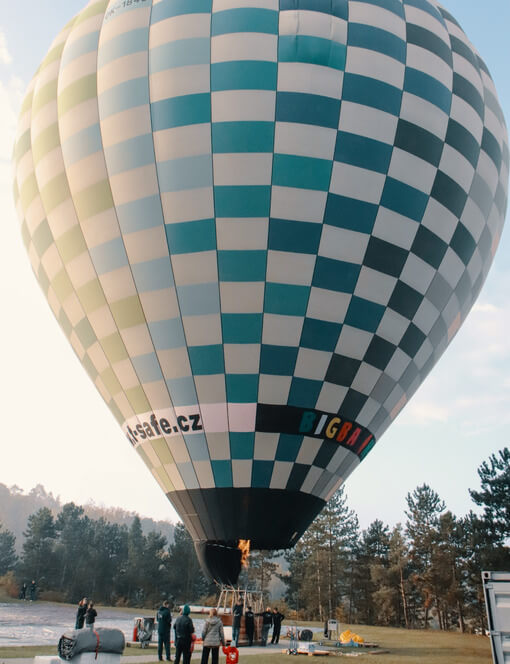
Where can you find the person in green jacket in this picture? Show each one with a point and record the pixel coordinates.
(184, 630)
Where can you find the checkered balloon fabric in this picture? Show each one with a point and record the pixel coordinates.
(259, 223)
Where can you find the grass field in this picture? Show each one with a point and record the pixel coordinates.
(16, 652)
(404, 646)
(423, 647)
(9, 652)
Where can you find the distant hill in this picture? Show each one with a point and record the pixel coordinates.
(16, 506)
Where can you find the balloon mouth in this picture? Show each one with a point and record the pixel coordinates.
(223, 520)
(220, 561)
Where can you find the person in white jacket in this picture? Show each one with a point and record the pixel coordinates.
(213, 637)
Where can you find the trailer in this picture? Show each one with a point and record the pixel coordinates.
(496, 588)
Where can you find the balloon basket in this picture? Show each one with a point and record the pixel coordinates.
(229, 595)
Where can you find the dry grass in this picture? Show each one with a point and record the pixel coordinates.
(15, 652)
(422, 647)
(402, 646)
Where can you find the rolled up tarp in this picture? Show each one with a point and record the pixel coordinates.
(100, 640)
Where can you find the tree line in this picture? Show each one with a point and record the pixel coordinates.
(16, 506)
(72, 555)
(427, 569)
(422, 572)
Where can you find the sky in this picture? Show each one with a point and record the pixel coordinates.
(56, 430)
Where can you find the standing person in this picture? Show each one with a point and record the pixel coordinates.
(90, 615)
(183, 629)
(267, 621)
(164, 619)
(212, 636)
(80, 614)
(33, 589)
(249, 624)
(23, 591)
(277, 625)
(237, 613)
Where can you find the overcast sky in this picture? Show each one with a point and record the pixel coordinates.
(56, 430)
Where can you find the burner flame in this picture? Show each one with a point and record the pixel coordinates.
(244, 547)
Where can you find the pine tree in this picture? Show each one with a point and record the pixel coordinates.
(424, 509)
(483, 552)
(153, 570)
(136, 546)
(391, 582)
(494, 495)
(261, 569)
(448, 571)
(294, 577)
(107, 561)
(8, 557)
(185, 578)
(399, 561)
(372, 551)
(73, 549)
(324, 561)
(39, 560)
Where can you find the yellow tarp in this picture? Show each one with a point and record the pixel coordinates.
(347, 636)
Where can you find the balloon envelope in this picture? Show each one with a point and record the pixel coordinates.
(259, 224)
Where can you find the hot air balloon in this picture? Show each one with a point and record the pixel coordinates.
(259, 223)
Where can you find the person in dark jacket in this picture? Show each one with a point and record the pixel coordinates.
(237, 614)
(23, 591)
(80, 613)
(277, 625)
(249, 625)
(267, 621)
(33, 590)
(90, 615)
(164, 618)
(183, 629)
